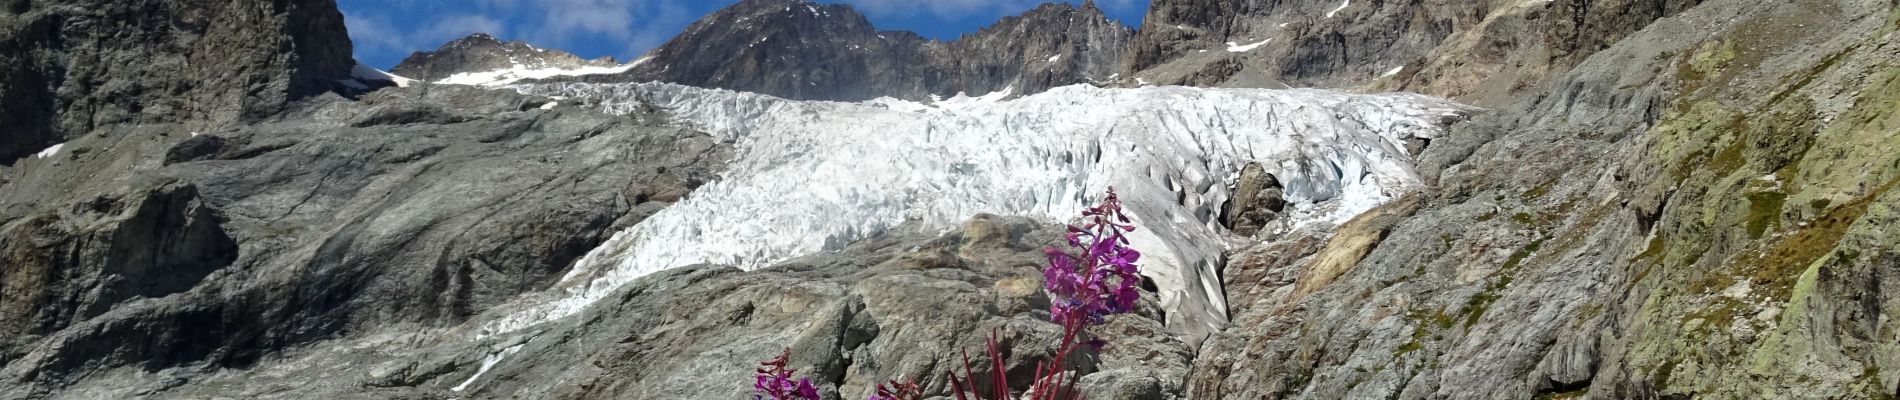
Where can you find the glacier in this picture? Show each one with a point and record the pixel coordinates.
(813, 176)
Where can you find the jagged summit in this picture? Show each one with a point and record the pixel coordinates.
(482, 52)
(804, 50)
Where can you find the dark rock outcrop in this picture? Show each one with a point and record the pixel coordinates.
(481, 52)
(70, 67)
(803, 50)
(1258, 199)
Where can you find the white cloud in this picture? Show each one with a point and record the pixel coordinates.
(374, 32)
(456, 26)
(561, 19)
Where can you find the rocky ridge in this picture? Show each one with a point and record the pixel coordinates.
(481, 53)
(803, 50)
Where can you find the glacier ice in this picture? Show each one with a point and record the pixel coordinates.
(813, 176)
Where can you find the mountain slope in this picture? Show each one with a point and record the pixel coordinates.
(1665, 200)
(1485, 53)
(1721, 226)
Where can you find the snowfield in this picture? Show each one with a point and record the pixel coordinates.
(519, 72)
(815, 176)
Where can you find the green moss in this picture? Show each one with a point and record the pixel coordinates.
(1564, 395)
(1476, 306)
(1655, 250)
(1718, 315)
(1820, 204)
(1871, 384)
(1776, 267)
(1662, 376)
(1764, 210)
(1808, 75)
(1540, 190)
(1422, 323)
(1524, 218)
(1408, 347)
(1519, 256)
(1730, 158)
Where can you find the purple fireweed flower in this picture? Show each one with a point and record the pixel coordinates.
(774, 381)
(1103, 280)
(898, 390)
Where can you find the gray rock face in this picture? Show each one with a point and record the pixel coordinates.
(415, 207)
(803, 50)
(1651, 224)
(69, 67)
(481, 52)
(904, 304)
(1485, 53)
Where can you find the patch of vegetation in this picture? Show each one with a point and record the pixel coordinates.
(1657, 246)
(1718, 315)
(1422, 328)
(1662, 375)
(1540, 190)
(1524, 218)
(1730, 158)
(1565, 395)
(1764, 209)
(1872, 385)
(1776, 267)
(1476, 306)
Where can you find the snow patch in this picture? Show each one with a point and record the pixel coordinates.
(809, 177)
(518, 73)
(49, 151)
(487, 362)
(1342, 6)
(1052, 59)
(1393, 71)
(961, 100)
(1241, 48)
(365, 73)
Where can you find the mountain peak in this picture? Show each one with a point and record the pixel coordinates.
(804, 50)
(481, 52)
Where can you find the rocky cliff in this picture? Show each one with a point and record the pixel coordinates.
(481, 53)
(71, 67)
(798, 49)
(1487, 53)
(1721, 227)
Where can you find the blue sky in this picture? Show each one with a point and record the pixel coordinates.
(385, 31)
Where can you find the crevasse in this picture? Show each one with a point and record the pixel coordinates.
(814, 176)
